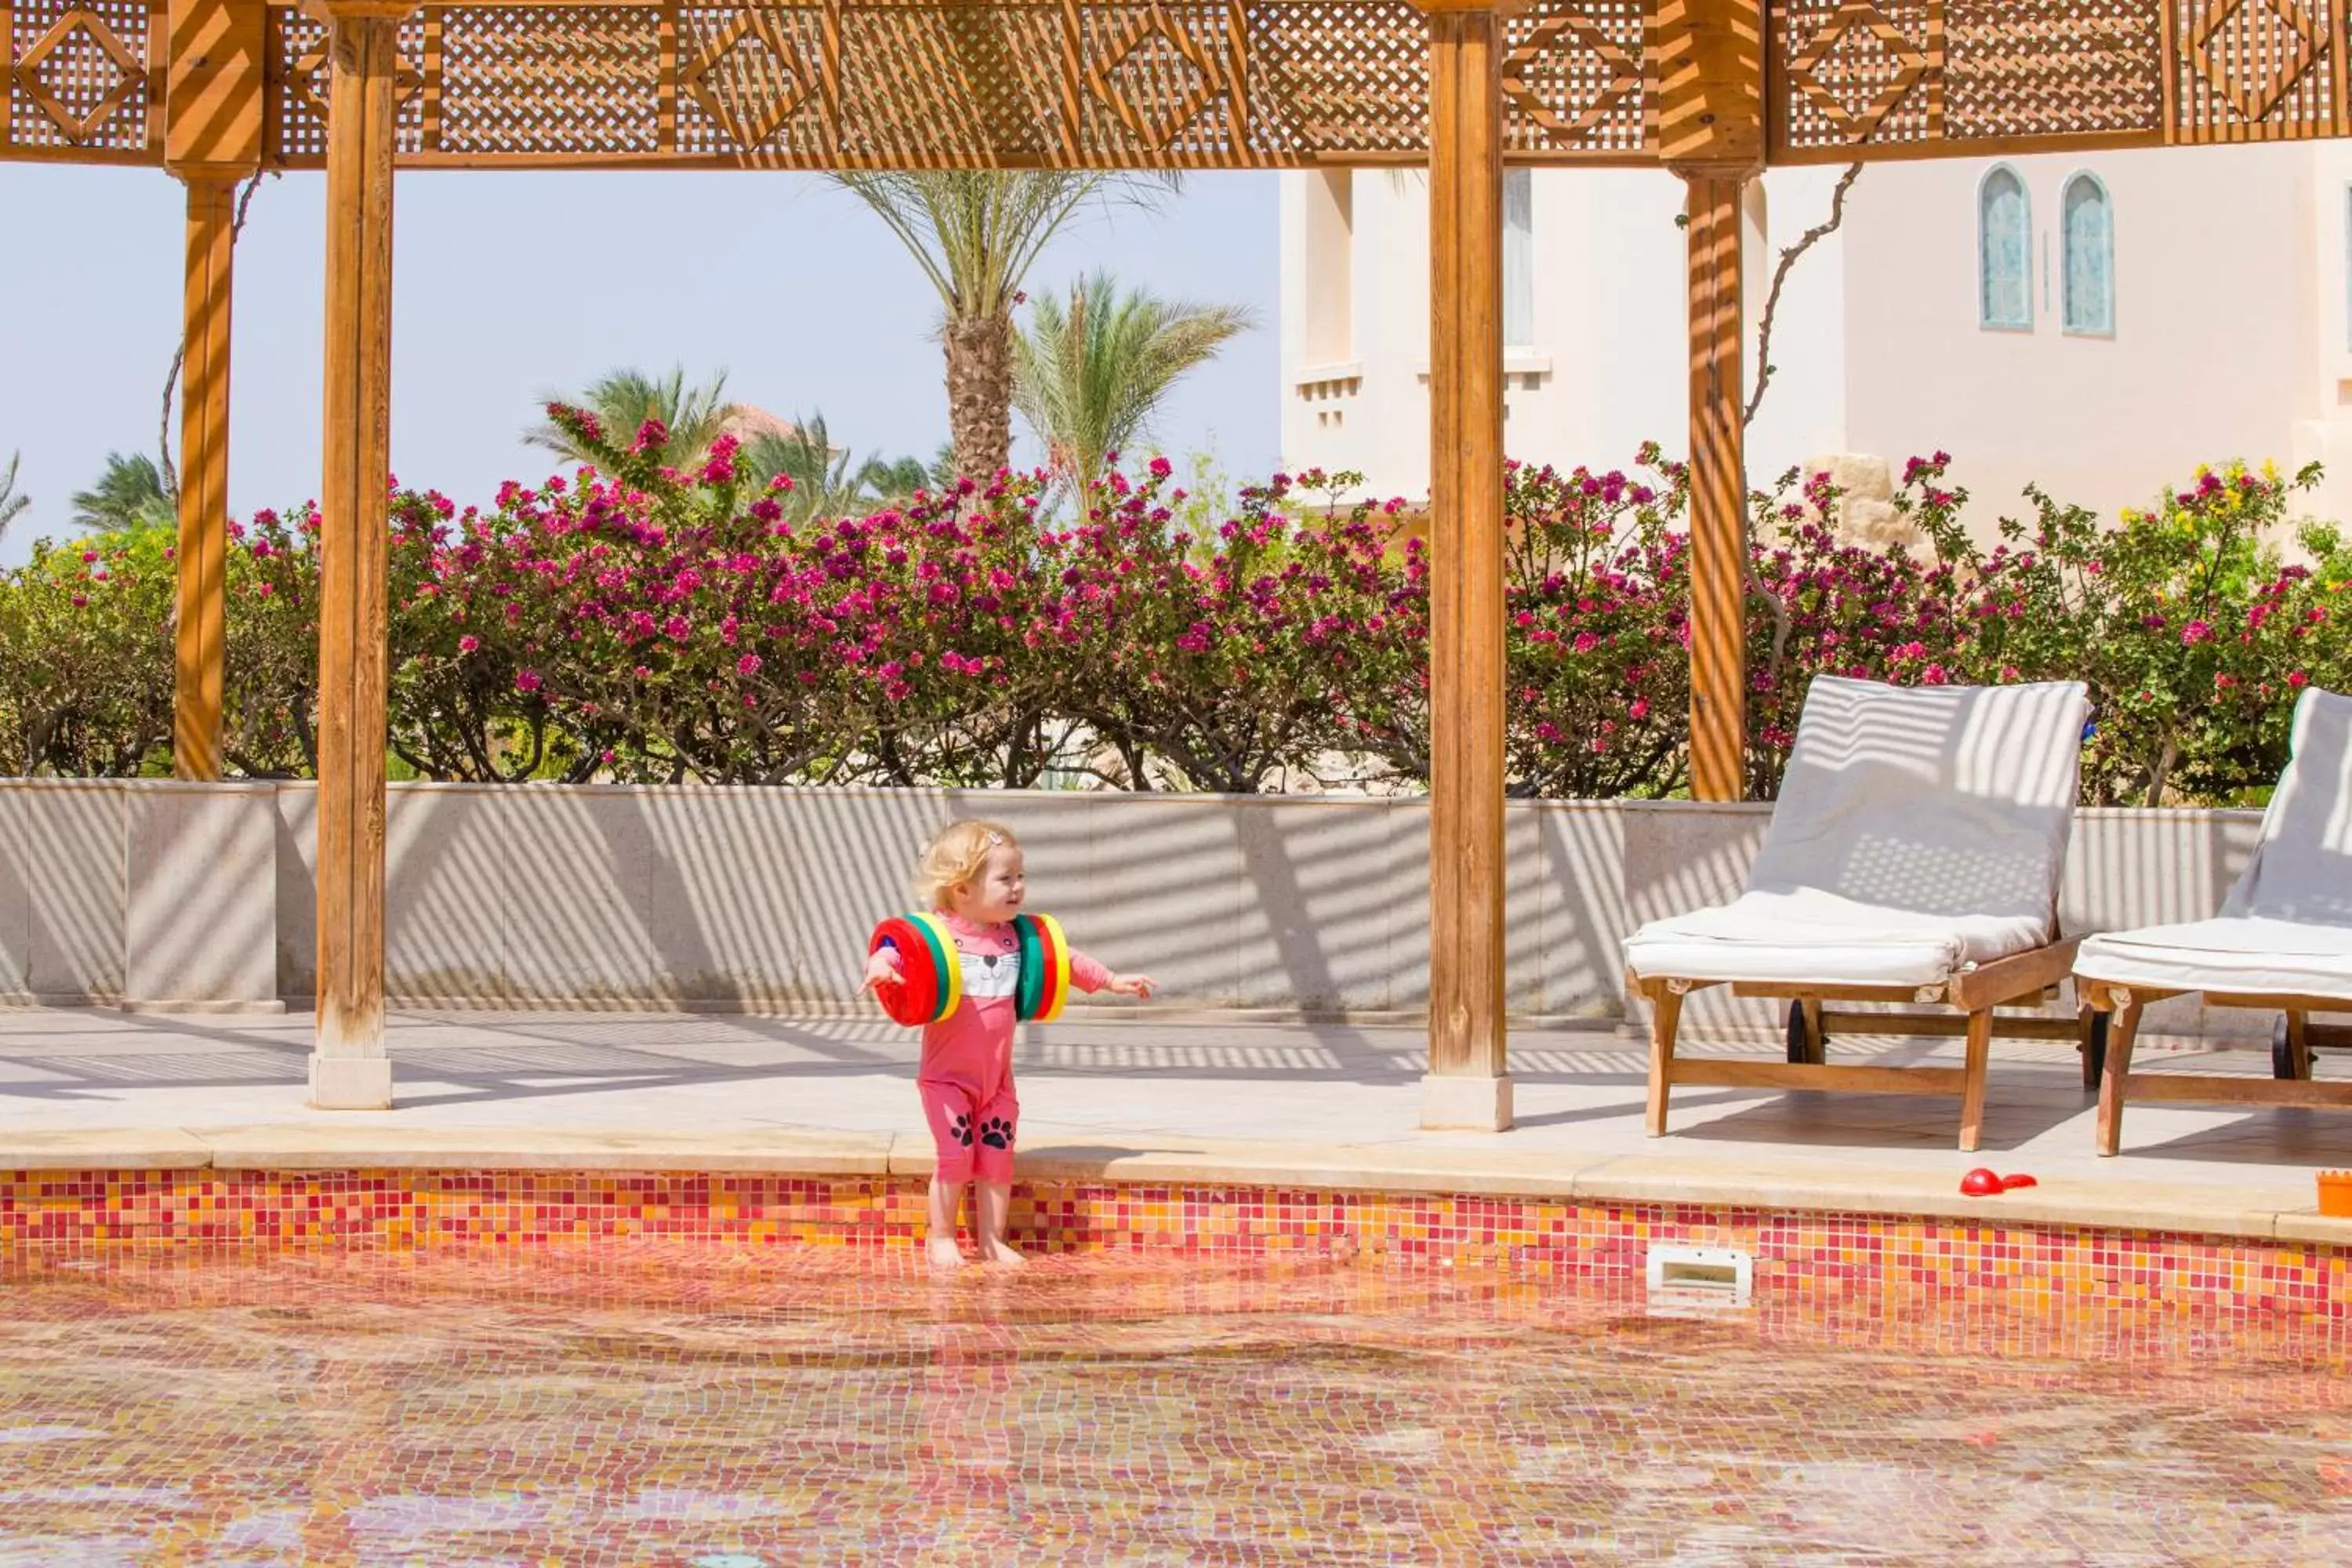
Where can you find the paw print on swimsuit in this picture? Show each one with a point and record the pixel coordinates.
(961, 1130)
(996, 1132)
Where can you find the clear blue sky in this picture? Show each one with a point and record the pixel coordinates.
(510, 286)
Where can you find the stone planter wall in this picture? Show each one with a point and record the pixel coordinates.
(158, 893)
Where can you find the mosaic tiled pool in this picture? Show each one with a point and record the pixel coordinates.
(689, 1404)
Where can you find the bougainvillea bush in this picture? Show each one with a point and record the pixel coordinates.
(645, 618)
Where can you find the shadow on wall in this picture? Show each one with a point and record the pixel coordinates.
(761, 901)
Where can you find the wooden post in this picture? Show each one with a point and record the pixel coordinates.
(1711, 132)
(348, 1069)
(201, 555)
(212, 138)
(1468, 1084)
(1718, 495)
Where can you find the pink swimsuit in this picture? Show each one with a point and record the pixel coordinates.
(966, 1076)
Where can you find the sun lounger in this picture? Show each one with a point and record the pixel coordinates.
(1914, 856)
(2282, 941)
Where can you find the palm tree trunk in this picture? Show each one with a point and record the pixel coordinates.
(979, 393)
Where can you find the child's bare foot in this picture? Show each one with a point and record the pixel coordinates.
(944, 1253)
(1002, 1254)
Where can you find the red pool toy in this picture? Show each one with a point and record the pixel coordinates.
(1045, 983)
(1981, 1183)
(931, 978)
(930, 985)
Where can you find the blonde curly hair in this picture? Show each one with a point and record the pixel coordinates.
(955, 858)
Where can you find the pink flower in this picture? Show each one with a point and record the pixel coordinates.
(527, 681)
(748, 665)
(2196, 632)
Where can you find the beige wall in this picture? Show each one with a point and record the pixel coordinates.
(1606, 366)
(2216, 273)
(2232, 334)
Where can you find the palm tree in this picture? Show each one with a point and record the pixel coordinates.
(975, 234)
(11, 505)
(622, 400)
(129, 493)
(827, 481)
(1091, 374)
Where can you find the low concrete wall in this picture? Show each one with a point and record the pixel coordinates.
(761, 899)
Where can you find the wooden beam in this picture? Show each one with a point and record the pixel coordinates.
(348, 1069)
(1466, 385)
(2220, 1089)
(2114, 1083)
(1711, 84)
(1948, 1026)
(1718, 492)
(1735, 1072)
(215, 86)
(211, 117)
(1710, 56)
(1666, 1023)
(2004, 981)
(200, 557)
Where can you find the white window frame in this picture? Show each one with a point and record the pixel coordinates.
(1985, 322)
(2066, 257)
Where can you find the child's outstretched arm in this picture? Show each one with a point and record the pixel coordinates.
(1090, 976)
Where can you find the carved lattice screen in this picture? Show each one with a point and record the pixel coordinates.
(79, 81)
(889, 83)
(1195, 83)
(1928, 78)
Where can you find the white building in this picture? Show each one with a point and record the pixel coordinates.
(2099, 322)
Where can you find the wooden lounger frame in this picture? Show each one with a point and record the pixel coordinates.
(2291, 1082)
(1972, 995)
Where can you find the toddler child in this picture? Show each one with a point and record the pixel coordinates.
(972, 876)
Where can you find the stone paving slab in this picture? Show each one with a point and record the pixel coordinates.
(1147, 1100)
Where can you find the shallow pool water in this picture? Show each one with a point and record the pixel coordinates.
(696, 1408)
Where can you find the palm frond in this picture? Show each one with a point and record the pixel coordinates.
(129, 493)
(976, 232)
(11, 505)
(1091, 374)
(622, 400)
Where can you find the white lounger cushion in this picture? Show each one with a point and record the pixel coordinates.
(1918, 831)
(2286, 926)
(2244, 954)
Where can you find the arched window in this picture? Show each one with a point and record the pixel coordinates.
(2004, 231)
(2090, 246)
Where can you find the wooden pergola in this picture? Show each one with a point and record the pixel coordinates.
(1711, 91)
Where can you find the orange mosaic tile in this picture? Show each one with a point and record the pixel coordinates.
(52, 1212)
(659, 1403)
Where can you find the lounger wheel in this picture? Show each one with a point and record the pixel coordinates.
(2095, 1049)
(2282, 1051)
(1803, 1047)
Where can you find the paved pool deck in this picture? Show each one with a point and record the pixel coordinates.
(1153, 1100)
